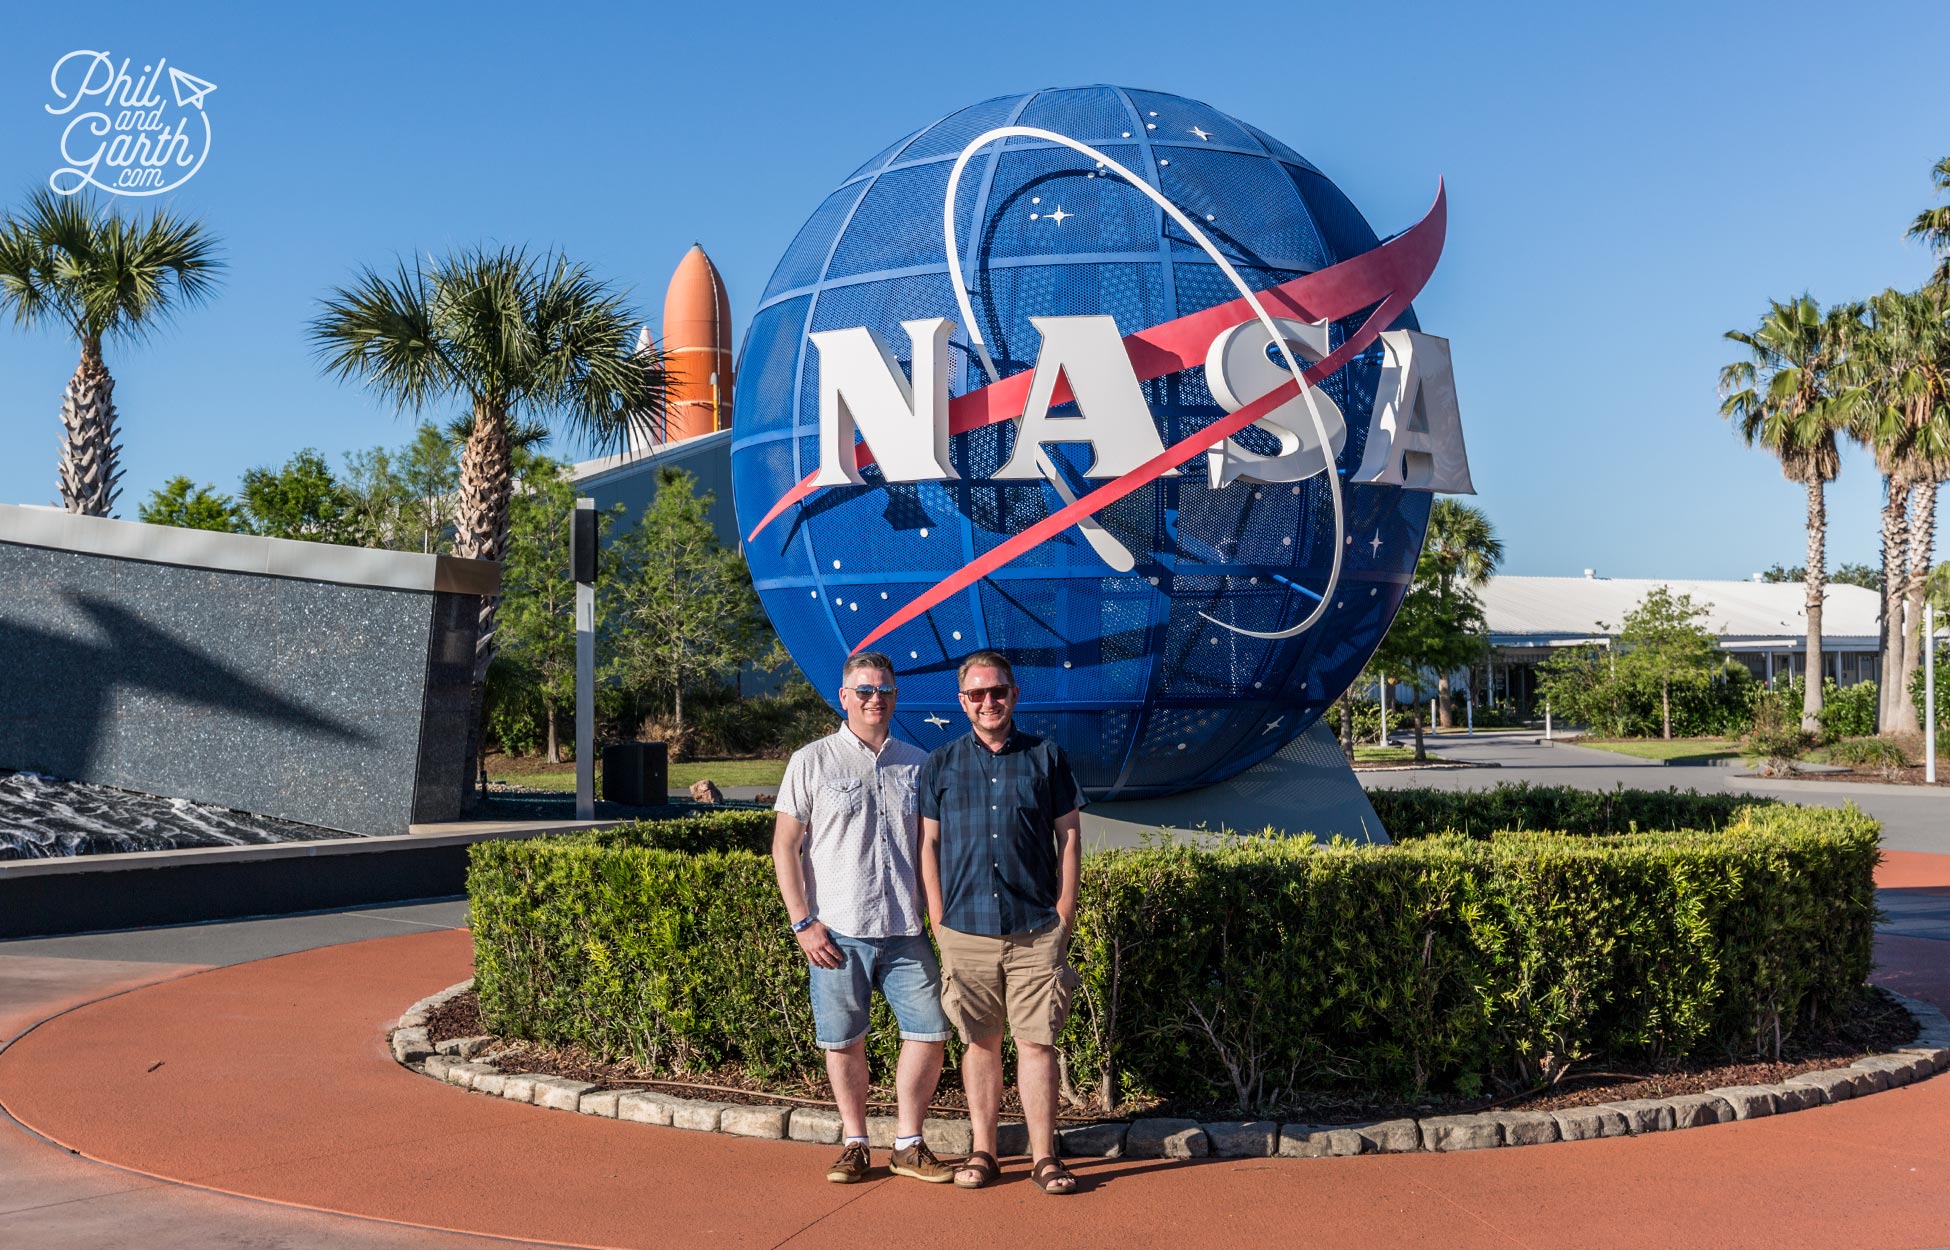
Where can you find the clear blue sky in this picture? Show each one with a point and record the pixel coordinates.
(1626, 183)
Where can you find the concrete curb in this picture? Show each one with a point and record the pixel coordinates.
(455, 1061)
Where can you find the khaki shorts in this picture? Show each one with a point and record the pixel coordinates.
(1026, 977)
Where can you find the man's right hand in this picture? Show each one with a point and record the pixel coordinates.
(821, 951)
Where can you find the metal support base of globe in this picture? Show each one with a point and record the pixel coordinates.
(1307, 787)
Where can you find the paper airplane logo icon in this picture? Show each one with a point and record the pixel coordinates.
(190, 89)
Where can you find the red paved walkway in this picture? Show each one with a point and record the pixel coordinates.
(272, 1080)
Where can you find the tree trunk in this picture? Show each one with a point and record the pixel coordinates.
(90, 482)
(1816, 580)
(1347, 725)
(548, 713)
(1387, 706)
(1922, 544)
(1444, 717)
(1895, 543)
(481, 529)
(1420, 752)
(1665, 707)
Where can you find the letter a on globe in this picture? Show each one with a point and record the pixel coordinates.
(862, 387)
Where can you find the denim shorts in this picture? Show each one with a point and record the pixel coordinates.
(902, 968)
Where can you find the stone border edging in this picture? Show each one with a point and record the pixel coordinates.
(455, 1062)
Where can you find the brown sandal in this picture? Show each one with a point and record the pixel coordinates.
(980, 1161)
(1049, 1173)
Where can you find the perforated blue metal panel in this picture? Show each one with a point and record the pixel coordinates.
(1146, 695)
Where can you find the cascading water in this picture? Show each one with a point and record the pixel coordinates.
(41, 817)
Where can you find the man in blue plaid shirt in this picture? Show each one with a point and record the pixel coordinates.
(1001, 854)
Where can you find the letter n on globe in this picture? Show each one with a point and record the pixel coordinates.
(862, 387)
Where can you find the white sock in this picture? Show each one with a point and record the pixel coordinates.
(903, 1143)
(854, 1141)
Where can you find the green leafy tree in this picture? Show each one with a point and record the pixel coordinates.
(301, 500)
(69, 262)
(1436, 631)
(184, 504)
(377, 500)
(428, 468)
(537, 593)
(1866, 576)
(682, 608)
(1664, 644)
(1463, 552)
(1783, 397)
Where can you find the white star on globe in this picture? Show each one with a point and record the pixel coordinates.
(937, 720)
(1202, 135)
(1374, 548)
(1059, 215)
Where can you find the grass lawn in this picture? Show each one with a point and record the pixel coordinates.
(725, 772)
(1679, 750)
(1391, 755)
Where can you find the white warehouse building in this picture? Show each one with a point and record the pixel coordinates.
(1764, 625)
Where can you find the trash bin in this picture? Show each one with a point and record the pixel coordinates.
(636, 774)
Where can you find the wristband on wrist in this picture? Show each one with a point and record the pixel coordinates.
(800, 926)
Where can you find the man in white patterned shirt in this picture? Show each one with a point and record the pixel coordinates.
(846, 848)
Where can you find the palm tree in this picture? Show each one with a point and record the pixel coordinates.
(67, 261)
(1899, 405)
(1932, 225)
(1783, 398)
(1464, 548)
(522, 338)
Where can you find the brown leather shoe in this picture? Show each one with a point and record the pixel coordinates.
(919, 1162)
(852, 1166)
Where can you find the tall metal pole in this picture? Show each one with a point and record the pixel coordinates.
(585, 574)
(1929, 693)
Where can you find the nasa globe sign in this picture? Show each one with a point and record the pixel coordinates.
(1117, 385)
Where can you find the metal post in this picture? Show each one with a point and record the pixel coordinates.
(585, 664)
(1469, 709)
(1929, 692)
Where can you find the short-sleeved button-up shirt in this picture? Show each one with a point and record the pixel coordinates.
(999, 867)
(861, 854)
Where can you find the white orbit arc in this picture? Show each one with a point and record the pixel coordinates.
(1091, 531)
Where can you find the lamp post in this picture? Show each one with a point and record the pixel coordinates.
(583, 567)
(1929, 693)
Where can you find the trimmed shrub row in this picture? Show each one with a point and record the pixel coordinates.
(1242, 973)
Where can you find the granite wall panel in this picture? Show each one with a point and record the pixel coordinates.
(339, 705)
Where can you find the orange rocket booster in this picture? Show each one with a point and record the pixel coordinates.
(697, 348)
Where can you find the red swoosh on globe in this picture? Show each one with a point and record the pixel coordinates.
(1404, 263)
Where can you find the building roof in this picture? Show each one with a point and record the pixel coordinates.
(1536, 611)
(672, 454)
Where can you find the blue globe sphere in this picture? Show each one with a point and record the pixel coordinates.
(1124, 669)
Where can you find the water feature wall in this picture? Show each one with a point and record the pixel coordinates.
(320, 684)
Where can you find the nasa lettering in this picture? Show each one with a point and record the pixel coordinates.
(1116, 384)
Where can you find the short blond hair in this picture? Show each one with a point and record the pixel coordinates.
(986, 659)
(866, 659)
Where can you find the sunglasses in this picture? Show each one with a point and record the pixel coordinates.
(863, 693)
(984, 693)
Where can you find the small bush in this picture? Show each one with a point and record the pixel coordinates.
(1242, 972)
(1847, 711)
(1877, 753)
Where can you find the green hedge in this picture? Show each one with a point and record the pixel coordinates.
(1242, 973)
(1408, 814)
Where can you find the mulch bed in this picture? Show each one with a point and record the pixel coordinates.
(1879, 1024)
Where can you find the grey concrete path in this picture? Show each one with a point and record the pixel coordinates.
(1913, 818)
